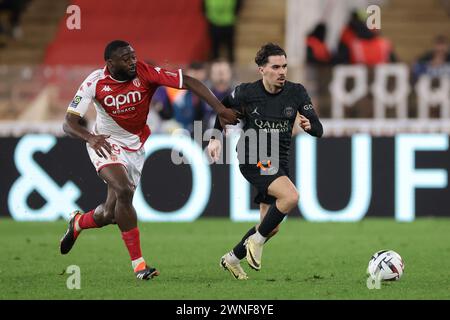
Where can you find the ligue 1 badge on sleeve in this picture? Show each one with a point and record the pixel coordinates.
(75, 101)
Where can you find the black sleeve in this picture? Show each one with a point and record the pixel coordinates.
(307, 109)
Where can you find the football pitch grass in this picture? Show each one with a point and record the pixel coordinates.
(304, 261)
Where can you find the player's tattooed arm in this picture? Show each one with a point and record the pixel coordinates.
(226, 116)
(74, 129)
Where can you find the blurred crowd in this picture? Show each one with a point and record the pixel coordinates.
(360, 45)
(173, 109)
(10, 14)
(357, 45)
(222, 16)
(435, 62)
(178, 109)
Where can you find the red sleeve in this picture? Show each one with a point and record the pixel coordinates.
(159, 76)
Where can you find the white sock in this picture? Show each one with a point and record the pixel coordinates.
(259, 238)
(231, 258)
(136, 262)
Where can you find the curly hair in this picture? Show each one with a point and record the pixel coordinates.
(267, 50)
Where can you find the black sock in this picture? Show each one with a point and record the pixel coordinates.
(272, 219)
(239, 250)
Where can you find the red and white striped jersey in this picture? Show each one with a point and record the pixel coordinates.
(123, 106)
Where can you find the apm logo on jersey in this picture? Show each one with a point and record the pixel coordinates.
(122, 99)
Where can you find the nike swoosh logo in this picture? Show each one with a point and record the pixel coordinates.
(224, 265)
(253, 259)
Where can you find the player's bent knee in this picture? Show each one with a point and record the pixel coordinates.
(124, 193)
(290, 200)
(109, 221)
(109, 217)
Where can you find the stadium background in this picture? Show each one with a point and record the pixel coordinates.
(370, 163)
(42, 68)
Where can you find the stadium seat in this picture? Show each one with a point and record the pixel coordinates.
(159, 32)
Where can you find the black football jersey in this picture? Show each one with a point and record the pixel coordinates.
(272, 117)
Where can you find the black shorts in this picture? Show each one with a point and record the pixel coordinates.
(262, 181)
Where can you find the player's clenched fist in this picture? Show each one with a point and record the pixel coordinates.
(100, 144)
(305, 124)
(214, 149)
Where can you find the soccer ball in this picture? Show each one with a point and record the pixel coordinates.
(386, 265)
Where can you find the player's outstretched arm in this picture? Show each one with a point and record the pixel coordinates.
(74, 129)
(226, 116)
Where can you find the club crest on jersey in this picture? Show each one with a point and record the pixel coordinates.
(136, 82)
(289, 112)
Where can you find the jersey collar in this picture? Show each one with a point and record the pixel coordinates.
(267, 92)
(108, 74)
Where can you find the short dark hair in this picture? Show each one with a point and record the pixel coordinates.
(113, 46)
(267, 50)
